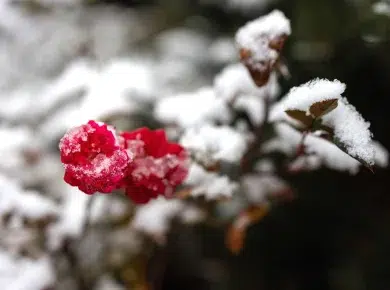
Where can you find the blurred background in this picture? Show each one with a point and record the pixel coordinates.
(334, 235)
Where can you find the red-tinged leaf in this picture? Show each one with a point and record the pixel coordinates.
(277, 43)
(301, 117)
(236, 233)
(322, 108)
(260, 76)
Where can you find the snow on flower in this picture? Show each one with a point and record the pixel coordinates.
(92, 158)
(143, 162)
(157, 165)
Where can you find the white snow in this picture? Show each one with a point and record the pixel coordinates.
(256, 36)
(217, 143)
(288, 139)
(192, 109)
(13, 141)
(209, 184)
(223, 51)
(25, 274)
(183, 43)
(381, 8)
(234, 81)
(253, 106)
(257, 188)
(28, 204)
(72, 217)
(154, 218)
(352, 130)
(317, 90)
(349, 126)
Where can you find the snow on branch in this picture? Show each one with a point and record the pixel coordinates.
(260, 43)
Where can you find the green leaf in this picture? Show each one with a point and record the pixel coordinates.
(301, 117)
(321, 108)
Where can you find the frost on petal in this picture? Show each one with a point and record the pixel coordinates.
(218, 143)
(209, 184)
(191, 109)
(92, 158)
(157, 165)
(234, 81)
(103, 174)
(260, 42)
(83, 143)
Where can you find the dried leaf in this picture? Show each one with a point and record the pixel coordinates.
(301, 117)
(236, 234)
(235, 239)
(260, 77)
(277, 43)
(321, 108)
